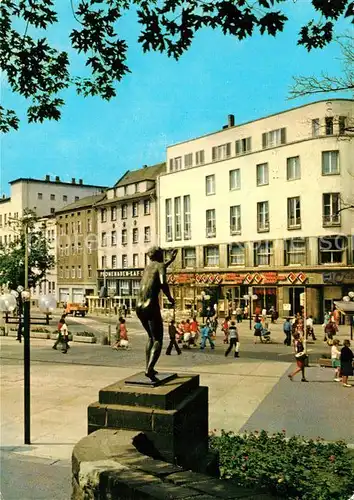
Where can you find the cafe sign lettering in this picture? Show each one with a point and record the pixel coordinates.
(121, 273)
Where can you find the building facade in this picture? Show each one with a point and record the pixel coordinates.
(77, 249)
(262, 209)
(127, 228)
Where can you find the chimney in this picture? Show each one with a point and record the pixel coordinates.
(47, 177)
(230, 120)
(57, 178)
(73, 180)
(80, 182)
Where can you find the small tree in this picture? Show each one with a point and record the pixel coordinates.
(12, 255)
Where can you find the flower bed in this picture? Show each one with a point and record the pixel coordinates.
(290, 468)
(87, 337)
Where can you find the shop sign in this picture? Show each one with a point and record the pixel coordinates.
(234, 278)
(270, 278)
(338, 277)
(180, 279)
(121, 273)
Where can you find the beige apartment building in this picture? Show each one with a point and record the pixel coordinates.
(127, 228)
(261, 208)
(77, 248)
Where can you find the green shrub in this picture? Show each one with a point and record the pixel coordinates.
(85, 334)
(40, 329)
(292, 468)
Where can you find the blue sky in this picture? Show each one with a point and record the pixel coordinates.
(163, 101)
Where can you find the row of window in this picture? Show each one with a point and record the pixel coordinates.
(176, 209)
(52, 197)
(7, 218)
(74, 272)
(330, 166)
(331, 250)
(124, 263)
(124, 211)
(74, 227)
(270, 139)
(113, 240)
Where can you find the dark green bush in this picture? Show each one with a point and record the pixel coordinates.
(85, 334)
(292, 468)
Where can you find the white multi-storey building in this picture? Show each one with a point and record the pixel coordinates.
(264, 205)
(127, 228)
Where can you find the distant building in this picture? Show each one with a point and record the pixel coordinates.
(47, 225)
(77, 245)
(260, 208)
(127, 228)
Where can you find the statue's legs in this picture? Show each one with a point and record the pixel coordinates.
(152, 322)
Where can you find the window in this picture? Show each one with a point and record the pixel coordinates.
(342, 124)
(113, 238)
(178, 221)
(125, 190)
(146, 259)
(89, 247)
(104, 239)
(330, 162)
(104, 261)
(135, 260)
(263, 253)
(52, 210)
(65, 198)
(295, 251)
(124, 211)
(79, 227)
(210, 223)
(114, 261)
(5, 219)
(135, 287)
(189, 257)
(124, 288)
(67, 249)
(73, 249)
(329, 125)
(211, 256)
(103, 215)
(79, 248)
(263, 216)
(175, 164)
(293, 170)
(187, 223)
(136, 187)
(67, 272)
(124, 237)
(221, 152)
(331, 207)
(61, 272)
(89, 225)
(210, 184)
(135, 235)
(147, 207)
(79, 273)
(0, 220)
(113, 213)
(262, 174)
(89, 271)
(188, 160)
(40, 196)
(243, 146)
(135, 209)
(61, 229)
(294, 213)
(234, 179)
(73, 228)
(52, 197)
(332, 249)
(315, 127)
(168, 220)
(124, 261)
(235, 219)
(274, 138)
(236, 254)
(77, 198)
(199, 157)
(61, 250)
(67, 228)
(73, 271)
(147, 234)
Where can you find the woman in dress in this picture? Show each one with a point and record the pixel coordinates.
(335, 357)
(346, 363)
(300, 358)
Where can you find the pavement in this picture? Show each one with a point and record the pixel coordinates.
(249, 393)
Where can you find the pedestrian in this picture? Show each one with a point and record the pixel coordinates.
(125, 310)
(239, 314)
(245, 312)
(346, 363)
(172, 332)
(206, 335)
(330, 330)
(194, 329)
(234, 340)
(335, 358)
(121, 334)
(257, 328)
(287, 331)
(63, 335)
(300, 356)
(264, 315)
(309, 328)
(225, 330)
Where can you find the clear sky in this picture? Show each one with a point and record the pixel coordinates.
(163, 101)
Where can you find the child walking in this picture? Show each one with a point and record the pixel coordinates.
(234, 340)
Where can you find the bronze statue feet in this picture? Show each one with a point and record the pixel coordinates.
(152, 375)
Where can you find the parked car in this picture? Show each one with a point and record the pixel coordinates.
(76, 309)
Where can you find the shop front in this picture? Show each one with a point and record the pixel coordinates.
(122, 285)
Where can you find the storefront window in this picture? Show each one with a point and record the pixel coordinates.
(135, 287)
(267, 298)
(124, 288)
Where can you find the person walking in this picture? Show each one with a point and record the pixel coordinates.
(346, 363)
(206, 335)
(239, 315)
(194, 329)
(225, 330)
(300, 356)
(63, 335)
(287, 332)
(257, 328)
(172, 332)
(309, 328)
(234, 340)
(335, 358)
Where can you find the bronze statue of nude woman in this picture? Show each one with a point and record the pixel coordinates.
(148, 309)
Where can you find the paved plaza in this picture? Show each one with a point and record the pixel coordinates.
(249, 393)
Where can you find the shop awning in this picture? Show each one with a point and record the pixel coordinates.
(345, 307)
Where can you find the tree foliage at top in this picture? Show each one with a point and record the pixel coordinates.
(40, 72)
(12, 255)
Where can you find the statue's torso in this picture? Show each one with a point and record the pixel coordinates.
(150, 286)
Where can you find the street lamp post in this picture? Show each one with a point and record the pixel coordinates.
(350, 298)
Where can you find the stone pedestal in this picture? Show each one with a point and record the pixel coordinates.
(173, 417)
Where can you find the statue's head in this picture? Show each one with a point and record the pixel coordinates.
(156, 254)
